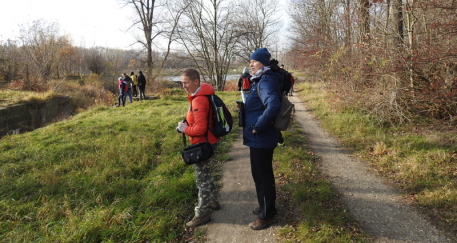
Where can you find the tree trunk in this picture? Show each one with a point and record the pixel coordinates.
(386, 25)
(364, 20)
(398, 20)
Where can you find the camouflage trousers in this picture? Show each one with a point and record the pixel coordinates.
(207, 190)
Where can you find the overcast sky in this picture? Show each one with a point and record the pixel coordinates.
(89, 22)
(97, 22)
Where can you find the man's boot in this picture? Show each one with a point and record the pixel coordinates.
(262, 223)
(196, 221)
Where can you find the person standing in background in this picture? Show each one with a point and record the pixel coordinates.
(129, 82)
(121, 97)
(244, 84)
(135, 93)
(141, 85)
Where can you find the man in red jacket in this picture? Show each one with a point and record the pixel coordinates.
(196, 127)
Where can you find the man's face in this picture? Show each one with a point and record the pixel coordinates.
(255, 66)
(189, 86)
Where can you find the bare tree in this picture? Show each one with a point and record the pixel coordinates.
(145, 21)
(364, 20)
(95, 60)
(209, 35)
(398, 20)
(258, 23)
(173, 15)
(41, 42)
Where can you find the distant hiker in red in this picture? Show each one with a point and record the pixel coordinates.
(244, 84)
(292, 84)
(122, 92)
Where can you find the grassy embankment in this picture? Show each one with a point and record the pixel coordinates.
(14, 97)
(419, 158)
(115, 174)
(108, 174)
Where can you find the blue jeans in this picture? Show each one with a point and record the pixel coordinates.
(121, 99)
(129, 92)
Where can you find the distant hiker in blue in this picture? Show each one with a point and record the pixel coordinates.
(129, 82)
(260, 135)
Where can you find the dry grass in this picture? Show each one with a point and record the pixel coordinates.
(14, 97)
(420, 158)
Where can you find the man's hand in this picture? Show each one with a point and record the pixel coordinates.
(181, 126)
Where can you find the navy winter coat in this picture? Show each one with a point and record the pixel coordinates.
(259, 118)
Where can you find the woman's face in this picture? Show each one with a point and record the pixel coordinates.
(255, 66)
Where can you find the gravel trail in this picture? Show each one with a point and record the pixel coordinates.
(378, 207)
(237, 198)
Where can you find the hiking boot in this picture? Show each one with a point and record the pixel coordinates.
(196, 221)
(215, 205)
(262, 223)
(256, 211)
(117, 106)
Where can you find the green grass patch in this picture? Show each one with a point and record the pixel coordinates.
(106, 175)
(419, 158)
(308, 205)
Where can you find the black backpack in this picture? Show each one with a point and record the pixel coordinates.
(287, 82)
(223, 120)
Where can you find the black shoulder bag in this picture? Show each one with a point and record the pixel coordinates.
(198, 152)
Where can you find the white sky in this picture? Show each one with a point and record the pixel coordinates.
(97, 22)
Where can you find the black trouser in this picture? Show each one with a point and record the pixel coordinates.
(142, 93)
(135, 93)
(280, 138)
(264, 179)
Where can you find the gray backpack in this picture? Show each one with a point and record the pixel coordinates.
(284, 117)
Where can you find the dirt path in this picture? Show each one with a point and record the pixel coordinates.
(374, 204)
(237, 198)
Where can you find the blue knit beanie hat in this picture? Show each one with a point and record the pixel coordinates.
(262, 55)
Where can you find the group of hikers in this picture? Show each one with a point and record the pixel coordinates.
(127, 84)
(261, 105)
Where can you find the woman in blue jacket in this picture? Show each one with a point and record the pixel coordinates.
(260, 135)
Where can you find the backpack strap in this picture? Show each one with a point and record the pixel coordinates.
(258, 91)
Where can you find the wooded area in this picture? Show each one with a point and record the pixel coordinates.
(210, 35)
(394, 58)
